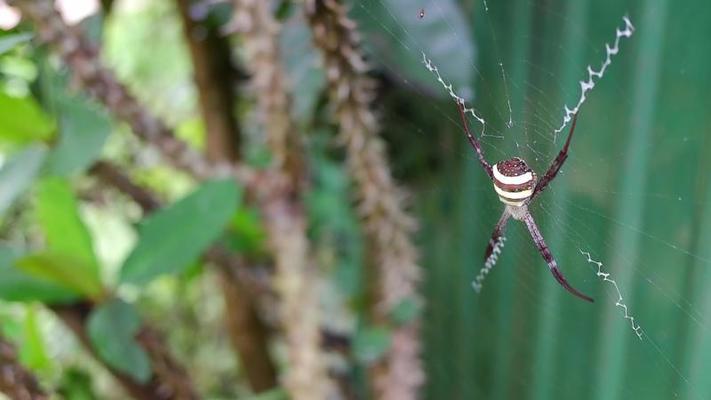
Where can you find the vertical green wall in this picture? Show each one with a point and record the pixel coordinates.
(636, 193)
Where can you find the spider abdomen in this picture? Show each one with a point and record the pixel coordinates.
(514, 181)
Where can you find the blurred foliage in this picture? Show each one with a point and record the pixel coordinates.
(636, 193)
(18, 172)
(112, 329)
(174, 236)
(16, 111)
(82, 127)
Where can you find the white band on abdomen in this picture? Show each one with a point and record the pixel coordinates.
(518, 203)
(512, 180)
(524, 194)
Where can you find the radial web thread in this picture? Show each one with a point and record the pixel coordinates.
(448, 87)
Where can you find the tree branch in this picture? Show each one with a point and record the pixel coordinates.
(110, 174)
(214, 76)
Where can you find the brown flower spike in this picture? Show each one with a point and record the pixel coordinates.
(399, 375)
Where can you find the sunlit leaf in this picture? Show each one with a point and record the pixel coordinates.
(18, 174)
(22, 120)
(192, 131)
(112, 330)
(174, 237)
(33, 352)
(17, 285)
(58, 214)
(64, 270)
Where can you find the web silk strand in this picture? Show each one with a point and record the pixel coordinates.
(595, 76)
(606, 277)
(488, 264)
(448, 87)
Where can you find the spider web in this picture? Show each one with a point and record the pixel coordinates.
(617, 218)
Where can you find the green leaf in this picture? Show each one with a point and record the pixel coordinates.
(67, 271)
(83, 125)
(33, 352)
(370, 344)
(18, 174)
(112, 330)
(65, 232)
(23, 121)
(8, 42)
(172, 238)
(83, 129)
(17, 285)
(397, 38)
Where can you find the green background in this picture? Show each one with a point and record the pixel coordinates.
(635, 193)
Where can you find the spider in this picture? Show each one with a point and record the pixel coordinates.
(517, 185)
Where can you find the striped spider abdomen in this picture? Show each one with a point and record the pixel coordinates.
(514, 181)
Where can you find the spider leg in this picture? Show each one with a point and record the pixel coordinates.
(474, 141)
(493, 249)
(546, 253)
(557, 163)
(496, 236)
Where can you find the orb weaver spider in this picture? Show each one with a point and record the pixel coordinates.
(517, 185)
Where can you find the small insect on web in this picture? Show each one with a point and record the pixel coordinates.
(517, 184)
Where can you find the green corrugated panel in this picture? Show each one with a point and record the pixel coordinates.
(698, 357)
(549, 327)
(695, 84)
(615, 337)
(508, 319)
(640, 144)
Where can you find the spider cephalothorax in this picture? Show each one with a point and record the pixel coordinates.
(517, 185)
